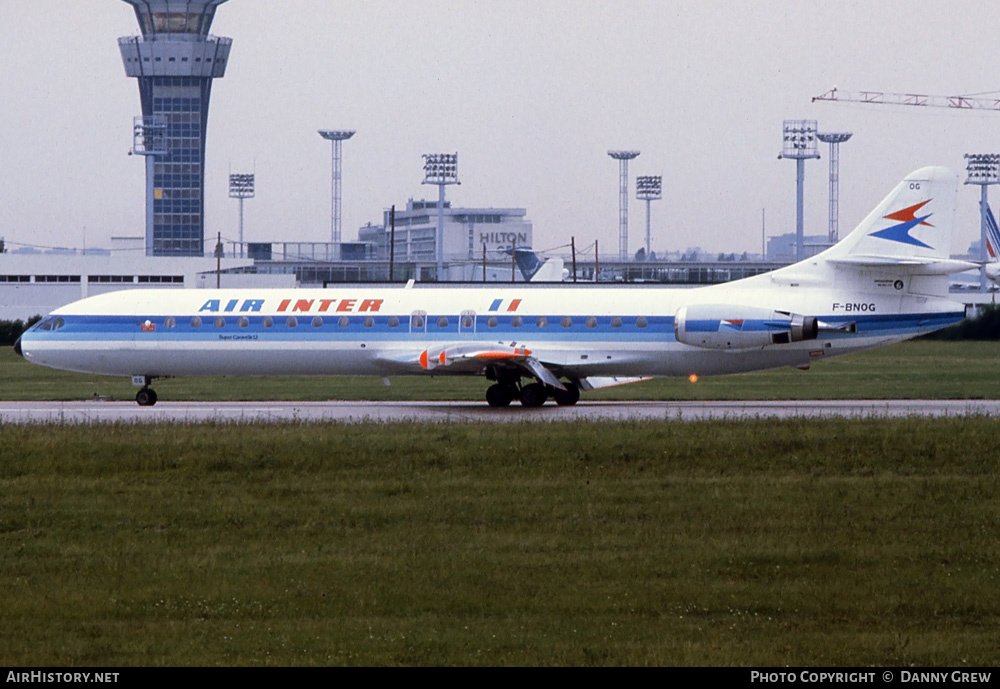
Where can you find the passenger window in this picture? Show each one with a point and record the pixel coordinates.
(393, 322)
(369, 322)
(417, 322)
(516, 321)
(443, 322)
(492, 322)
(170, 322)
(467, 321)
(196, 322)
(220, 322)
(641, 322)
(592, 322)
(566, 322)
(268, 322)
(317, 322)
(243, 322)
(616, 322)
(541, 322)
(344, 321)
(292, 321)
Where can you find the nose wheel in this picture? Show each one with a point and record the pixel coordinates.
(146, 397)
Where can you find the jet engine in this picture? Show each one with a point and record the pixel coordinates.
(720, 326)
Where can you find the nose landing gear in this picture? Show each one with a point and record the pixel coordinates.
(146, 397)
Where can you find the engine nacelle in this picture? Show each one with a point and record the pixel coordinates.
(720, 326)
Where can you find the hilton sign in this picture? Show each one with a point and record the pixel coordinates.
(498, 242)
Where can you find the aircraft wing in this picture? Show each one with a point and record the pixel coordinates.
(467, 357)
(506, 355)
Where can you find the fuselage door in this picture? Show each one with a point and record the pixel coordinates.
(418, 323)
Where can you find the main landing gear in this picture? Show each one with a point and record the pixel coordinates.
(508, 388)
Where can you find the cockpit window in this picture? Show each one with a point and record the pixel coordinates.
(51, 323)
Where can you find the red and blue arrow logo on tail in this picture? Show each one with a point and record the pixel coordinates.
(908, 219)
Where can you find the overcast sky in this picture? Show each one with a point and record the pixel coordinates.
(531, 94)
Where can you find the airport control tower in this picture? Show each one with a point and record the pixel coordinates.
(175, 61)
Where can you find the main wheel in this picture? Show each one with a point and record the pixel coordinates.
(533, 395)
(499, 395)
(567, 397)
(145, 397)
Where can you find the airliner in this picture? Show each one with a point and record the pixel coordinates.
(885, 282)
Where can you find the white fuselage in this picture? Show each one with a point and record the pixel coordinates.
(578, 331)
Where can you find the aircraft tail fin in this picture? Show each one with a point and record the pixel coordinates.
(534, 269)
(992, 244)
(992, 234)
(908, 233)
(911, 226)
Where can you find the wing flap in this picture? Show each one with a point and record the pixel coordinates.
(598, 382)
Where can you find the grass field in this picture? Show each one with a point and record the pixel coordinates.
(836, 542)
(910, 370)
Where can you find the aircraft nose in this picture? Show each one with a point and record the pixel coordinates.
(17, 348)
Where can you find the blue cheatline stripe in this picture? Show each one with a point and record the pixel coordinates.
(486, 328)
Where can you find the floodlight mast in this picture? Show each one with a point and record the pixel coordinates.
(648, 189)
(241, 186)
(834, 139)
(440, 169)
(799, 144)
(623, 157)
(983, 169)
(336, 137)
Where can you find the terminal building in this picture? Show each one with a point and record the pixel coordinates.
(33, 283)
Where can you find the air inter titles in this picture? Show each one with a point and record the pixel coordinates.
(293, 305)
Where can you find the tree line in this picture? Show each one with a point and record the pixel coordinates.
(11, 330)
(984, 326)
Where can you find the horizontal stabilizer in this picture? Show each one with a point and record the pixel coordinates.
(917, 265)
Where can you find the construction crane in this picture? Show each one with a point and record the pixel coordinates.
(975, 101)
(983, 169)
